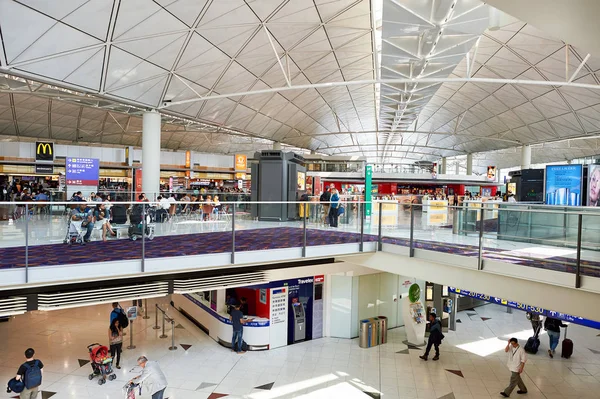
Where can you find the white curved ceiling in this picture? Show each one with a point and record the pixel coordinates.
(143, 53)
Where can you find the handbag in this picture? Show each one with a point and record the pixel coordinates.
(341, 210)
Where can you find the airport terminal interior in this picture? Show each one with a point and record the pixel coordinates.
(266, 199)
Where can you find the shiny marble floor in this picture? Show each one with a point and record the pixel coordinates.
(472, 364)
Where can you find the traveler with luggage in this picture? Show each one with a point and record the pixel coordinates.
(516, 363)
(552, 326)
(30, 373)
(536, 321)
(533, 343)
(435, 337)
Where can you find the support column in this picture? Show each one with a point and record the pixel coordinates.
(469, 164)
(526, 157)
(443, 170)
(151, 124)
(276, 146)
(457, 171)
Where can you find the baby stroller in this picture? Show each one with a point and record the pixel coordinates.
(136, 226)
(101, 363)
(75, 232)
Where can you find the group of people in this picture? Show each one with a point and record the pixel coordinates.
(169, 206)
(330, 200)
(90, 214)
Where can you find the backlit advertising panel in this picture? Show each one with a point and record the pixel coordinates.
(593, 194)
(563, 185)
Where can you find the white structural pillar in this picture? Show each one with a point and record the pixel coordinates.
(277, 146)
(469, 164)
(457, 171)
(443, 169)
(526, 157)
(151, 124)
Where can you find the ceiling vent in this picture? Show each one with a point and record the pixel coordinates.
(219, 282)
(12, 306)
(73, 299)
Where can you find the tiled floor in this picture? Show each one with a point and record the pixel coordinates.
(471, 365)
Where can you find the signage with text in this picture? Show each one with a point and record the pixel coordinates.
(527, 308)
(44, 151)
(83, 171)
(44, 169)
(563, 185)
(241, 162)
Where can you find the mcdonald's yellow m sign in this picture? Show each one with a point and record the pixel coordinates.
(44, 151)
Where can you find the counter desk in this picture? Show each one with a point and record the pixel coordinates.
(217, 324)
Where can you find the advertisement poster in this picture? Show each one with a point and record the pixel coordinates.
(593, 185)
(563, 185)
(241, 162)
(301, 181)
(83, 171)
(491, 173)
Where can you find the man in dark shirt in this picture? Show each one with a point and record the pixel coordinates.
(30, 363)
(244, 306)
(237, 322)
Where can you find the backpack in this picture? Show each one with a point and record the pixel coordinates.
(15, 386)
(325, 197)
(122, 317)
(33, 375)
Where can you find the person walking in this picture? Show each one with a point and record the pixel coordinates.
(237, 322)
(153, 376)
(536, 322)
(30, 373)
(552, 326)
(115, 337)
(435, 337)
(516, 363)
(324, 199)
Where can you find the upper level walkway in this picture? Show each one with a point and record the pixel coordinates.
(32, 248)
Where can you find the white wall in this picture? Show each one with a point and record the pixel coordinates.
(340, 301)
(116, 154)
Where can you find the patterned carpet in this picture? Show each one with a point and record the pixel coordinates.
(249, 240)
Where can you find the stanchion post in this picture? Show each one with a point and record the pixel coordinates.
(163, 327)
(131, 345)
(156, 327)
(172, 347)
(146, 317)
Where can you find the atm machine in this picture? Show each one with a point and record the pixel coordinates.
(299, 322)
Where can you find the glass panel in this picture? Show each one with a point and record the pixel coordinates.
(12, 231)
(533, 236)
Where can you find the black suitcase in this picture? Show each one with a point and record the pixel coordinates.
(533, 343)
(567, 347)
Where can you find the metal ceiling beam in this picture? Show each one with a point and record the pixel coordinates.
(497, 81)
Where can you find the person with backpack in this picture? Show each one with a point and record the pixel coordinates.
(119, 313)
(30, 373)
(435, 337)
(324, 199)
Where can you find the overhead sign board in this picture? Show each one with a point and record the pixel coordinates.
(83, 171)
(44, 151)
(41, 169)
(527, 308)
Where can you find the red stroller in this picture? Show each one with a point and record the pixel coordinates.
(101, 363)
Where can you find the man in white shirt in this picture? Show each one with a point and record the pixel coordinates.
(153, 376)
(516, 363)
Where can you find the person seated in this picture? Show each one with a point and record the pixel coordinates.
(101, 216)
(207, 207)
(84, 214)
(173, 204)
(162, 213)
(41, 197)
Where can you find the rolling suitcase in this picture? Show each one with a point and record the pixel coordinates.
(567, 347)
(533, 343)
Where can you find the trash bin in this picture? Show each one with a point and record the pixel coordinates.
(375, 337)
(364, 333)
(382, 329)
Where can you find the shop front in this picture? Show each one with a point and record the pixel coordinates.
(282, 312)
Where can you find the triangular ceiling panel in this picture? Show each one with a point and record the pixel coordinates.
(161, 50)
(186, 10)
(125, 69)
